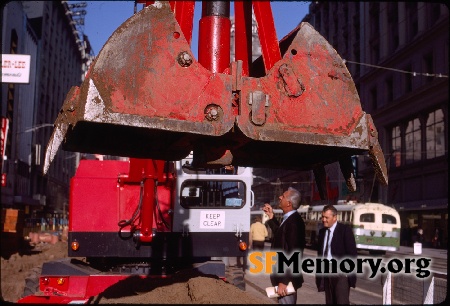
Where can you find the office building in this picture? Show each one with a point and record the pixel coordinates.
(60, 56)
(397, 54)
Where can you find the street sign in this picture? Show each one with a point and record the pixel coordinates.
(5, 125)
(16, 68)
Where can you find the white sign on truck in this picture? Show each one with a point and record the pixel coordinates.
(212, 219)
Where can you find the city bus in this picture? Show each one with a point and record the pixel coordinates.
(376, 226)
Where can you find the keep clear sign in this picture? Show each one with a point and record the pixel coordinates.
(212, 219)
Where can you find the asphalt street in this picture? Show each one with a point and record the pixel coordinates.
(367, 293)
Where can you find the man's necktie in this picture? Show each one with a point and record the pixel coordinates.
(325, 253)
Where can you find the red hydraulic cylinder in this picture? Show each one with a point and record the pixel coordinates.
(150, 172)
(146, 232)
(214, 36)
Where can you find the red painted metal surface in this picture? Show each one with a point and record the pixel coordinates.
(214, 37)
(243, 28)
(267, 34)
(214, 43)
(146, 86)
(184, 14)
(99, 180)
(76, 289)
(50, 299)
(148, 201)
(114, 197)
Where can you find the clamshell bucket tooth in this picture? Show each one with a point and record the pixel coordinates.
(146, 96)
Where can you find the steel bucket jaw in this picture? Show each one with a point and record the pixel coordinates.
(146, 96)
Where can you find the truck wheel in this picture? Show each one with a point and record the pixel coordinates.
(32, 282)
(235, 276)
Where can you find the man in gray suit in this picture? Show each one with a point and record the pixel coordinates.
(289, 236)
(336, 241)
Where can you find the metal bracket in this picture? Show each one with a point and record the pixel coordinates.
(259, 101)
(236, 72)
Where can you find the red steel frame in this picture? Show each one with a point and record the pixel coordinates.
(214, 33)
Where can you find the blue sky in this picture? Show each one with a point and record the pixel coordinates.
(104, 17)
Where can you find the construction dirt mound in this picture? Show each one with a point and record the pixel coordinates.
(184, 287)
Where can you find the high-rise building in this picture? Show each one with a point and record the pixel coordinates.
(397, 54)
(60, 56)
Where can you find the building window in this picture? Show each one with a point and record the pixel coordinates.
(317, 23)
(413, 141)
(435, 12)
(396, 160)
(393, 26)
(325, 23)
(10, 98)
(373, 98)
(389, 89)
(435, 134)
(356, 26)
(413, 21)
(375, 52)
(428, 66)
(374, 11)
(408, 79)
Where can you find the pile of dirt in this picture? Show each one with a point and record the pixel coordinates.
(16, 268)
(184, 287)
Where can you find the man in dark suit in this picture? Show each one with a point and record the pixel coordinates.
(289, 236)
(336, 241)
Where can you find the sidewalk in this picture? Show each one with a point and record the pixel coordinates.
(308, 294)
(426, 252)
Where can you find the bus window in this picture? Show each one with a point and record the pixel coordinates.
(367, 218)
(389, 219)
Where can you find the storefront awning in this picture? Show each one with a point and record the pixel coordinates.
(436, 204)
(25, 200)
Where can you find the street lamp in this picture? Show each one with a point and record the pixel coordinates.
(37, 147)
(37, 127)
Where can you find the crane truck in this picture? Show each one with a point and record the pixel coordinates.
(181, 121)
